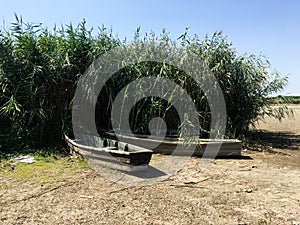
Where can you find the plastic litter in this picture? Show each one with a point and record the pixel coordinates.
(24, 159)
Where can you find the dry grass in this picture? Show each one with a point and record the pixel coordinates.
(263, 189)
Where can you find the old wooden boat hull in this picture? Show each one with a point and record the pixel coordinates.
(105, 152)
(227, 147)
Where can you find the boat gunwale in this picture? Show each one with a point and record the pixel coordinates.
(173, 141)
(134, 149)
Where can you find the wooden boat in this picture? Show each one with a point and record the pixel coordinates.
(227, 147)
(107, 152)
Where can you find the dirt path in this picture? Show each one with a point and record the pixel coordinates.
(262, 188)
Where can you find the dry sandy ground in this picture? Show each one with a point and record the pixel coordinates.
(261, 188)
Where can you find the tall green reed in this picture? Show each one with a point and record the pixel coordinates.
(40, 68)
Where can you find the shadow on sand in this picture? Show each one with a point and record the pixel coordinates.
(262, 140)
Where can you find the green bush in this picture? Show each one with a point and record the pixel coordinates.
(39, 70)
(246, 81)
(38, 74)
(285, 99)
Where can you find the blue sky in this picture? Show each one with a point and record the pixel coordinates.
(270, 27)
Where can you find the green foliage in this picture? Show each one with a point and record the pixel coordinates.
(45, 170)
(38, 74)
(285, 99)
(246, 81)
(39, 70)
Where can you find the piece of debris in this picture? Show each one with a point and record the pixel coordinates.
(185, 186)
(195, 181)
(254, 166)
(24, 159)
(248, 190)
(86, 196)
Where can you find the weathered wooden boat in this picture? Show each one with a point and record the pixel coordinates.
(105, 152)
(227, 147)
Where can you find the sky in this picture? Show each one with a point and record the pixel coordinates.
(268, 27)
